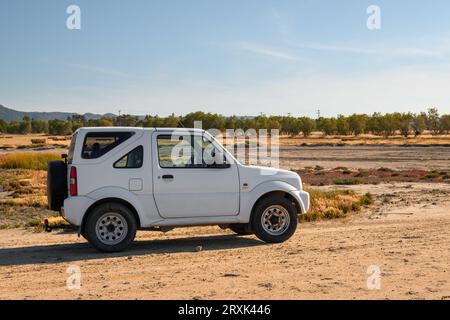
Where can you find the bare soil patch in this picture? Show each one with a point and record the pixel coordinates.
(319, 176)
(366, 157)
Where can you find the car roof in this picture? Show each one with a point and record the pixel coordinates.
(115, 129)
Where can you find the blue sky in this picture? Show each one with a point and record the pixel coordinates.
(228, 56)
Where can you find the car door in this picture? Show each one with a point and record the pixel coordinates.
(185, 187)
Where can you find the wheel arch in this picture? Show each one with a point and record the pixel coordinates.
(108, 200)
(280, 193)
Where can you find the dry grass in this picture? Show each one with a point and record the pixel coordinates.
(335, 204)
(317, 138)
(22, 141)
(23, 201)
(27, 160)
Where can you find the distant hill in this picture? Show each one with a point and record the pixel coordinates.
(14, 115)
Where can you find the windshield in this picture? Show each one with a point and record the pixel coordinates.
(229, 156)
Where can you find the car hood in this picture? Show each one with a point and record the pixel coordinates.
(255, 175)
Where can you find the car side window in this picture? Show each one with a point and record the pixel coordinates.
(96, 144)
(174, 152)
(185, 151)
(72, 148)
(132, 160)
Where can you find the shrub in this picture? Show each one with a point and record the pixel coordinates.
(38, 141)
(332, 213)
(344, 182)
(433, 174)
(383, 169)
(334, 204)
(361, 173)
(366, 199)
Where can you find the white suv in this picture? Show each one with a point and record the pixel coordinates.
(118, 180)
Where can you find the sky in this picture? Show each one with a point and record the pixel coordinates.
(234, 57)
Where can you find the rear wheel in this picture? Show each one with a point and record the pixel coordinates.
(110, 227)
(242, 229)
(274, 219)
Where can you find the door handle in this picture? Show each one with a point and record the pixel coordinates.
(167, 176)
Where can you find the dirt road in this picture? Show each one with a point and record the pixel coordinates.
(407, 237)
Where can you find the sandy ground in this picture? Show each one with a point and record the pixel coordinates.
(406, 235)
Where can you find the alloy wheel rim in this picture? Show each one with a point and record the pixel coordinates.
(275, 220)
(111, 228)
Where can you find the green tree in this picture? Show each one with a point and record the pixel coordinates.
(3, 126)
(374, 124)
(357, 123)
(172, 121)
(78, 118)
(13, 127)
(404, 122)
(290, 125)
(388, 125)
(433, 121)
(419, 123)
(306, 125)
(25, 126)
(105, 122)
(342, 125)
(445, 123)
(39, 126)
(327, 125)
(59, 127)
(126, 120)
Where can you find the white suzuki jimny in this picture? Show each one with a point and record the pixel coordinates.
(117, 180)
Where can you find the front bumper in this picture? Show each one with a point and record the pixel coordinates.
(302, 198)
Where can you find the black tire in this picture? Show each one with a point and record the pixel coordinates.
(83, 233)
(257, 224)
(242, 229)
(56, 184)
(98, 213)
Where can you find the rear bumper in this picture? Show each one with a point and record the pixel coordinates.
(302, 198)
(74, 209)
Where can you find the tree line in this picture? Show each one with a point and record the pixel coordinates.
(379, 124)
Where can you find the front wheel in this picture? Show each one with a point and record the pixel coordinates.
(274, 219)
(111, 227)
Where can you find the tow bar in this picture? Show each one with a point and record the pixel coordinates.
(48, 227)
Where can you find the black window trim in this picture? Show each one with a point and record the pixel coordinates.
(142, 162)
